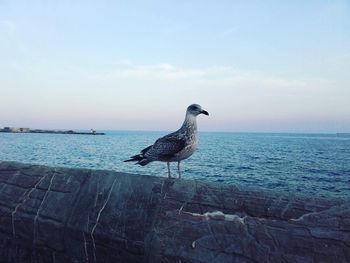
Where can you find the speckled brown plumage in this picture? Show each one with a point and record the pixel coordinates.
(175, 146)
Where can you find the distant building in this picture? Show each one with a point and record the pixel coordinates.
(24, 129)
(15, 129)
(20, 129)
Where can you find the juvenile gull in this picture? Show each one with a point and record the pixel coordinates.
(175, 146)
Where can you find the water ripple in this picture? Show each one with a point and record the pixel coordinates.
(317, 165)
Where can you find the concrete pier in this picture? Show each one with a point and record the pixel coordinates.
(50, 214)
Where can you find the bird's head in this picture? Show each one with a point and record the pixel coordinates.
(195, 110)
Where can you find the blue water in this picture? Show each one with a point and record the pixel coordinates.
(311, 164)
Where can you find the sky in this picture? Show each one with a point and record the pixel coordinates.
(255, 66)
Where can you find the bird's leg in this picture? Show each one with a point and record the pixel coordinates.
(168, 164)
(178, 169)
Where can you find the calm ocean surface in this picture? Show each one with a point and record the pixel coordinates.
(311, 164)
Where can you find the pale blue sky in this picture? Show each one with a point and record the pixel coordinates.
(136, 65)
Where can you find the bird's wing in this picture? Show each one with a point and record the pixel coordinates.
(167, 146)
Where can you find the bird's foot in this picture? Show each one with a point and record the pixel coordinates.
(178, 169)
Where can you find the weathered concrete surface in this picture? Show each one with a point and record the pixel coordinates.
(76, 215)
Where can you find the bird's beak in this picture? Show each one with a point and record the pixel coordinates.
(205, 112)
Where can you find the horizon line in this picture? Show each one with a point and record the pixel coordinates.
(206, 131)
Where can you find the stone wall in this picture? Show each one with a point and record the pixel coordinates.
(77, 215)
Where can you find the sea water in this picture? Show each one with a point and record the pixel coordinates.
(310, 164)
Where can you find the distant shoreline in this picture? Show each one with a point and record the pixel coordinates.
(27, 130)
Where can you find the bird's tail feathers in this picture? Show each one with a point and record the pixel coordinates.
(135, 158)
(139, 159)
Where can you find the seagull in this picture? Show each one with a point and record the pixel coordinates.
(175, 146)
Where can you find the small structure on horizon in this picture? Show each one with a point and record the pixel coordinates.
(15, 129)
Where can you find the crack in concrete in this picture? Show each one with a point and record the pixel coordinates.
(99, 215)
(88, 223)
(85, 248)
(35, 231)
(85, 242)
(26, 196)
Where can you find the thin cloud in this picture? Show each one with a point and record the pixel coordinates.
(219, 77)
